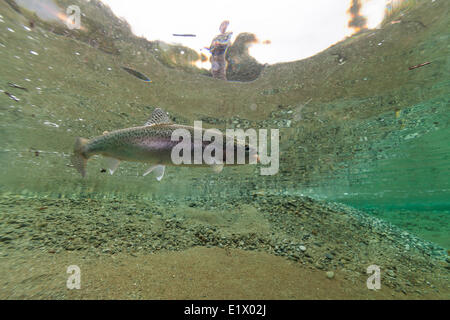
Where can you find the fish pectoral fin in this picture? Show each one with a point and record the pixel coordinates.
(112, 164)
(159, 171)
(217, 168)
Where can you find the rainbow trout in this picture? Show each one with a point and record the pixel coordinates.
(151, 143)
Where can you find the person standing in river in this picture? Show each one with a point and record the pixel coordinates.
(218, 49)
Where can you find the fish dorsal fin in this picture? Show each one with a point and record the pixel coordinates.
(158, 116)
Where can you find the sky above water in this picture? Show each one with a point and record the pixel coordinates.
(296, 29)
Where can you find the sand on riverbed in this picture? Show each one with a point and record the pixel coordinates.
(196, 273)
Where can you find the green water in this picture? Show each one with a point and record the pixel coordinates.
(396, 156)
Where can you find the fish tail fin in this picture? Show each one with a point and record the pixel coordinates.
(79, 159)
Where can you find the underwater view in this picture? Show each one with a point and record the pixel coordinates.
(260, 150)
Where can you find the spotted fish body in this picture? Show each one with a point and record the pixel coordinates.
(150, 143)
(144, 144)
